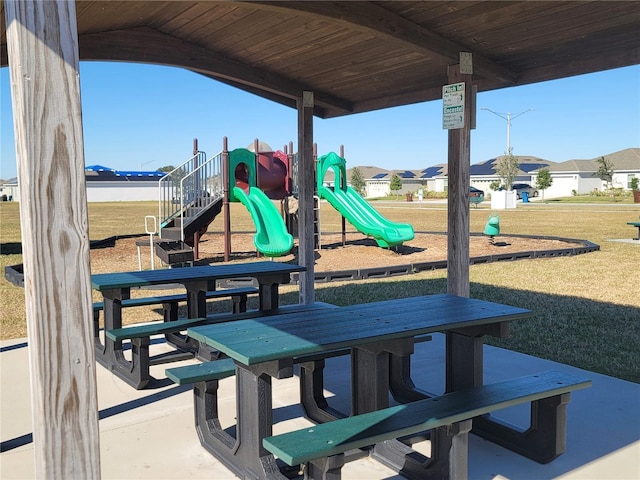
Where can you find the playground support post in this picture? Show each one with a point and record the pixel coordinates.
(344, 224)
(225, 201)
(256, 146)
(196, 235)
(306, 176)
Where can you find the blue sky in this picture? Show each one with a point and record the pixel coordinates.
(145, 117)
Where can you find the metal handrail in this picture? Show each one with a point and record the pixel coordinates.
(189, 188)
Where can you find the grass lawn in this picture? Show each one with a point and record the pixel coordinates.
(587, 307)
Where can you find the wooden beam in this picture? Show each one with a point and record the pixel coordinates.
(163, 49)
(306, 188)
(368, 16)
(318, 111)
(44, 69)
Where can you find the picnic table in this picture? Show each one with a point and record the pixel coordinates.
(635, 224)
(266, 348)
(198, 282)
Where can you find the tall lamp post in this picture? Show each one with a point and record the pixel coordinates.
(145, 163)
(508, 118)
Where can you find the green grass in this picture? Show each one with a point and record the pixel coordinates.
(624, 198)
(587, 307)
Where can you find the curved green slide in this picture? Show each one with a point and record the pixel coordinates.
(356, 209)
(272, 238)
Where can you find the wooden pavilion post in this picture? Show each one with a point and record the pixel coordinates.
(463, 353)
(306, 180)
(42, 44)
(458, 195)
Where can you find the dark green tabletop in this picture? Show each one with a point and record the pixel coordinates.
(106, 281)
(288, 336)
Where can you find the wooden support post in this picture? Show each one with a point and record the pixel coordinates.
(458, 195)
(306, 254)
(42, 44)
(461, 352)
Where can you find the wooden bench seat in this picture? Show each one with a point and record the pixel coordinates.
(322, 447)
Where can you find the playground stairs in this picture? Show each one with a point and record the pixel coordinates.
(191, 196)
(196, 219)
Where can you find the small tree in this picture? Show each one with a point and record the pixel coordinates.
(507, 168)
(396, 184)
(357, 181)
(605, 173)
(544, 180)
(495, 185)
(167, 168)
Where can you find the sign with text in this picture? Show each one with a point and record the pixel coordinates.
(453, 106)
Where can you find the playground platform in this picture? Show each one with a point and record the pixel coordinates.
(149, 434)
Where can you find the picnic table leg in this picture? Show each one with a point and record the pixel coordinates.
(196, 308)
(370, 391)
(449, 455)
(543, 441)
(400, 382)
(244, 454)
(268, 296)
(315, 405)
(109, 353)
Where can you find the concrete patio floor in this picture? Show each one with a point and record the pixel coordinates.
(149, 434)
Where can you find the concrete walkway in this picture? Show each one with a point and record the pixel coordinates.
(149, 434)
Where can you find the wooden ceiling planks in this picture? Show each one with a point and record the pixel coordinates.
(358, 56)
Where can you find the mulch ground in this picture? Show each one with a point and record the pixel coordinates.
(359, 251)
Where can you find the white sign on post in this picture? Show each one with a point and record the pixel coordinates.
(453, 106)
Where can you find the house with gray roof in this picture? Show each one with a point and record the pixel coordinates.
(580, 176)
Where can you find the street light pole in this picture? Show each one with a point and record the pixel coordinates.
(145, 163)
(508, 118)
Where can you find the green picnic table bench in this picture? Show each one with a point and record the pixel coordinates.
(170, 302)
(635, 224)
(476, 200)
(449, 417)
(137, 372)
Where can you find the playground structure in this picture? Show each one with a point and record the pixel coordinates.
(245, 168)
(356, 209)
(193, 194)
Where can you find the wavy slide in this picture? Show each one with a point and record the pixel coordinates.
(272, 238)
(365, 218)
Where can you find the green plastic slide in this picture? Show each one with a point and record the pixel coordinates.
(272, 238)
(356, 209)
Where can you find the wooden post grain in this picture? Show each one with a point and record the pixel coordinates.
(42, 44)
(458, 195)
(306, 254)
(463, 354)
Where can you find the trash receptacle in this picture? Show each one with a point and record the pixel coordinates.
(409, 197)
(525, 197)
